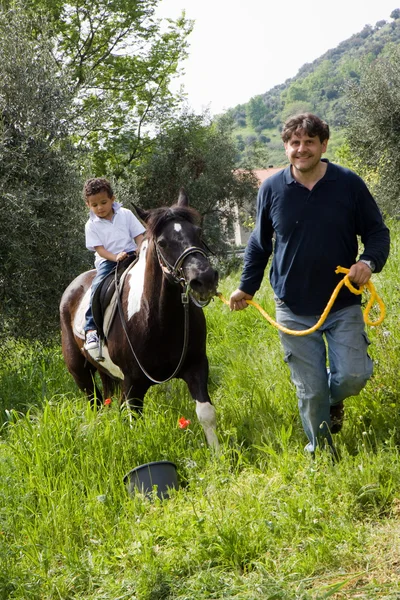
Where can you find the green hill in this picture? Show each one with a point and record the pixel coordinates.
(319, 87)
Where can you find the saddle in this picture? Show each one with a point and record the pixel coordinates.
(105, 292)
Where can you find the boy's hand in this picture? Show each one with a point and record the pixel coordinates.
(121, 256)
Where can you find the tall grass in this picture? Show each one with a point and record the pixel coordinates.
(259, 521)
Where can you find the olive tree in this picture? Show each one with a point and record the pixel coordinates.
(41, 239)
(373, 127)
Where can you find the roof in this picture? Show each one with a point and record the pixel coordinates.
(263, 174)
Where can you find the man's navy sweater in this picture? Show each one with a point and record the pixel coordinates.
(315, 231)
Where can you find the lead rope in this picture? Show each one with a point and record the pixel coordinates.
(345, 281)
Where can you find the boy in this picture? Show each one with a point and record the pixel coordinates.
(112, 232)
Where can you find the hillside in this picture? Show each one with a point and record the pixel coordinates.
(319, 87)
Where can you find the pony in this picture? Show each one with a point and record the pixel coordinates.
(159, 330)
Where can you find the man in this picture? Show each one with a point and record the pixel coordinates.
(315, 210)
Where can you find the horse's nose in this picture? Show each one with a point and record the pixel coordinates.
(206, 281)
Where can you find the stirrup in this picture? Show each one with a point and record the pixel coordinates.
(100, 357)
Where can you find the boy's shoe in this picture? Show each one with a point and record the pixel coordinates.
(92, 340)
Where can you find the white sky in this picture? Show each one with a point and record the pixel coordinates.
(241, 48)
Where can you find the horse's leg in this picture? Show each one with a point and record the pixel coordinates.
(109, 385)
(196, 378)
(134, 392)
(81, 370)
(84, 374)
(88, 384)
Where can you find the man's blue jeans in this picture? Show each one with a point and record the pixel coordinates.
(341, 339)
(103, 270)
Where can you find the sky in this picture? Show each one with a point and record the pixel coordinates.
(241, 48)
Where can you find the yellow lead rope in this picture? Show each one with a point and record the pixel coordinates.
(345, 281)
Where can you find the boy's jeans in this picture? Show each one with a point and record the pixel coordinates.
(342, 337)
(103, 270)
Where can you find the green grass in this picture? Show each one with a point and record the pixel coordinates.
(261, 521)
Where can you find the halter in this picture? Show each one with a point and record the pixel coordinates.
(176, 272)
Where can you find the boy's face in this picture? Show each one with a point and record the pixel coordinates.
(101, 205)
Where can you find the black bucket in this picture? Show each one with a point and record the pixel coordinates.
(161, 474)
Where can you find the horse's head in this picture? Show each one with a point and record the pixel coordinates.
(176, 235)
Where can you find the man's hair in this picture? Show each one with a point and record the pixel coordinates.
(95, 186)
(305, 123)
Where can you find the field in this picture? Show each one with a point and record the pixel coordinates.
(260, 521)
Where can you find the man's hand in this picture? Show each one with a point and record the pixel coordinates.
(238, 299)
(359, 273)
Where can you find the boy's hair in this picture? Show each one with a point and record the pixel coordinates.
(305, 123)
(95, 186)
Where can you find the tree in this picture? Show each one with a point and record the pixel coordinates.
(42, 213)
(294, 108)
(373, 127)
(199, 155)
(257, 110)
(120, 61)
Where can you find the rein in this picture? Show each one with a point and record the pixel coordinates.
(345, 281)
(176, 272)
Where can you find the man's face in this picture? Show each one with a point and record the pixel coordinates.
(304, 152)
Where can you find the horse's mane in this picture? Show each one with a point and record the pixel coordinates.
(160, 216)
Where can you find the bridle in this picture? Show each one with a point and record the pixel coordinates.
(176, 273)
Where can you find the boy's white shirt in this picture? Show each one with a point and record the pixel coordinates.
(115, 235)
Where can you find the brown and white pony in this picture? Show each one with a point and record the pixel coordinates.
(159, 331)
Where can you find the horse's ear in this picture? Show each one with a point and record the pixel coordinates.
(183, 199)
(141, 213)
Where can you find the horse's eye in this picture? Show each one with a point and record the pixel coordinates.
(162, 242)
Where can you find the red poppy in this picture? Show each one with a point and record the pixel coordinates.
(183, 423)
(107, 402)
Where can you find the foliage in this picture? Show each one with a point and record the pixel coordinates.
(260, 112)
(39, 186)
(194, 153)
(319, 87)
(259, 522)
(120, 61)
(374, 125)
